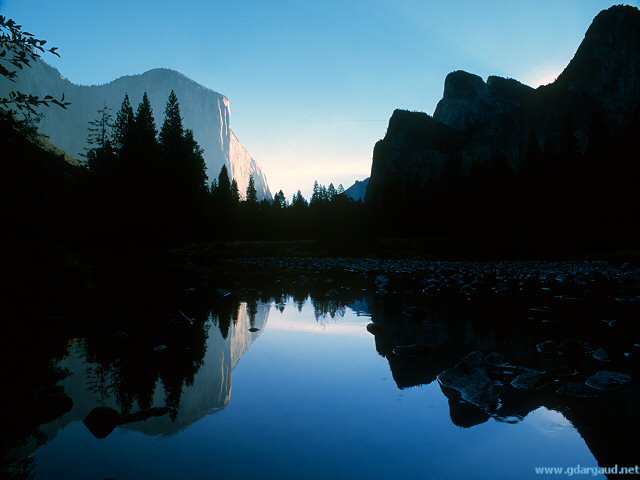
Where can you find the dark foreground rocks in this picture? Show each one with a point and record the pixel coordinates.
(470, 378)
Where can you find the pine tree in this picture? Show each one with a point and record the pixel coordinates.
(279, 200)
(145, 125)
(235, 192)
(223, 193)
(195, 161)
(252, 194)
(331, 192)
(317, 195)
(100, 129)
(99, 152)
(172, 131)
(123, 125)
(298, 201)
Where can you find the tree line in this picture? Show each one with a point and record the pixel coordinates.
(152, 186)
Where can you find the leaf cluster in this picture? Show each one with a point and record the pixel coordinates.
(19, 49)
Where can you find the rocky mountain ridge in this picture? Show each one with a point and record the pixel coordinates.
(475, 121)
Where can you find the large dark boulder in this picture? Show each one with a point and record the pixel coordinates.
(471, 379)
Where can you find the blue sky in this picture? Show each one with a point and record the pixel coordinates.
(312, 84)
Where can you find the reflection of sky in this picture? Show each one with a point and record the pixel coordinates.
(290, 319)
(314, 401)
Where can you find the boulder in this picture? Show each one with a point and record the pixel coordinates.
(601, 355)
(374, 329)
(607, 380)
(471, 379)
(531, 381)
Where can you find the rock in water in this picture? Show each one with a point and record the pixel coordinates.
(601, 355)
(606, 380)
(254, 329)
(102, 420)
(470, 377)
(374, 329)
(579, 390)
(531, 381)
(547, 347)
(410, 351)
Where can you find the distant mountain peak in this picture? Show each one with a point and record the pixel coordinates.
(358, 190)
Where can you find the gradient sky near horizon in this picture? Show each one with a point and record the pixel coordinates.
(312, 84)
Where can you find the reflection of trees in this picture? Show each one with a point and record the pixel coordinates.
(31, 396)
(127, 367)
(224, 314)
(329, 305)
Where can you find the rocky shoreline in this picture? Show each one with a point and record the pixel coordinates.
(566, 282)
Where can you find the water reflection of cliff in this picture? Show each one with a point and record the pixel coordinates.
(186, 363)
(608, 422)
(128, 375)
(199, 393)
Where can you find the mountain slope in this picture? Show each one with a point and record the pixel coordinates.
(358, 190)
(204, 111)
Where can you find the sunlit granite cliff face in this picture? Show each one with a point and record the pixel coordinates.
(204, 111)
(477, 120)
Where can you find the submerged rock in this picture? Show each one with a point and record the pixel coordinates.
(471, 379)
(607, 380)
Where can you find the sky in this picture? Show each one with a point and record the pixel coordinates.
(312, 83)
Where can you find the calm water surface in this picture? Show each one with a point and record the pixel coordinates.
(311, 394)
